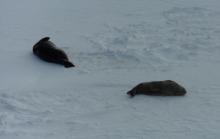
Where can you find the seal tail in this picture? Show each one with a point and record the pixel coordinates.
(68, 64)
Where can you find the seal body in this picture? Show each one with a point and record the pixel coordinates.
(47, 51)
(158, 88)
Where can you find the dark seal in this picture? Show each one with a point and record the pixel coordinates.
(47, 51)
(158, 88)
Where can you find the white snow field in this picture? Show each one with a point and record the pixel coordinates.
(115, 44)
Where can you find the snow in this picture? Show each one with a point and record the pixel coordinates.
(115, 44)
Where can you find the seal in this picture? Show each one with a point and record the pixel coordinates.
(158, 88)
(47, 51)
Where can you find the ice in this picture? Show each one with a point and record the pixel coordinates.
(115, 45)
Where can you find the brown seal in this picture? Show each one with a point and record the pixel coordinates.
(47, 51)
(158, 88)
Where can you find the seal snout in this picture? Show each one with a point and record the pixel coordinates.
(131, 93)
(182, 92)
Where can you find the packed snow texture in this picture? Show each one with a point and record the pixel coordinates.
(115, 44)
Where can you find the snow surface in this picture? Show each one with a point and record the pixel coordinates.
(115, 44)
